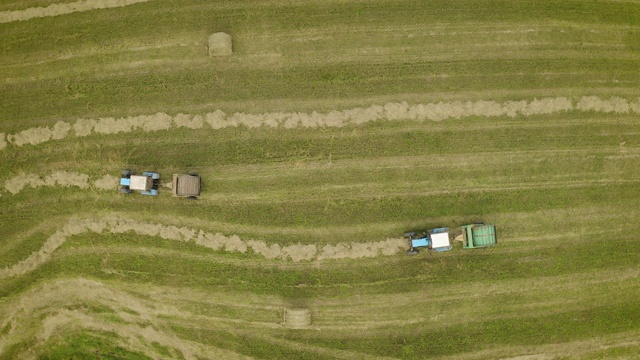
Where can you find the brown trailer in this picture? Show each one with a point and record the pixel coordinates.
(186, 185)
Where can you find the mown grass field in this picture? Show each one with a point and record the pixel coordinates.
(562, 188)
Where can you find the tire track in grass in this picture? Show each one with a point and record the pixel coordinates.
(338, 118)
(63, 9)
(216, 241)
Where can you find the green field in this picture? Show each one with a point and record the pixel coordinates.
(86, 272)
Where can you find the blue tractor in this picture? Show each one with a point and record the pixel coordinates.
(434, 239)
(147, 183)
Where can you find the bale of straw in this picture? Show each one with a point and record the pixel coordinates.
(220, 44)
(297, 318)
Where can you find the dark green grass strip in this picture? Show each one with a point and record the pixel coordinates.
(419, 341)
(181, 148)
(178, 89)
(23, 249)
(405, 209)
(246, 344)
(178, 16)
(84, 346)
(411, 208)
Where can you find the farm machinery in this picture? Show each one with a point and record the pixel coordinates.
(473, 236)
(146, 184)
(434, 239)
(186, 185)
(478, 235)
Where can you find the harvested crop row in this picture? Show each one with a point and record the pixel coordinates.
(217, 241)
(390, 111)
(59, 178)
(62, 9)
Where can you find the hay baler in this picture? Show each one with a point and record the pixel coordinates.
(478, 235)
(434, 239)
(186, 185)
(147, 183)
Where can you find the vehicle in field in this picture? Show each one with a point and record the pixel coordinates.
(186, 185)
(146, 184)
(434, 239)
(478, 235)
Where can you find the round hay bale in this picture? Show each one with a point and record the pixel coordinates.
(220, 44)
(297, 318)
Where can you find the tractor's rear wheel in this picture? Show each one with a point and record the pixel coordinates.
(410, 234)
(412, 252)
(126, 173)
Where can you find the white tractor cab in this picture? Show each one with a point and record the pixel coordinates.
(434, 239)
(146, 184)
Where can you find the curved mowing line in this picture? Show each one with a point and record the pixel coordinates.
(142, 319)
(49, 310)
(356, 116)
(217, 241)
(62, 9)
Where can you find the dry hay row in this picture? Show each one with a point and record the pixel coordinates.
(390, 111)
(217, 241)
(59, 178)
(61, 306)
(62, 9)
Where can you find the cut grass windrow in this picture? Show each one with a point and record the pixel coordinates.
(59, 178)
(340, 118)
(216, 241)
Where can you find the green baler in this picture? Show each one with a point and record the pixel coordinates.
(478, 235)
